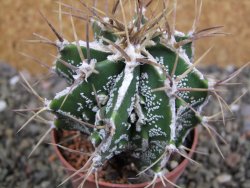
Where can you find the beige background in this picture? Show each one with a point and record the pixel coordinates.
(19, 19)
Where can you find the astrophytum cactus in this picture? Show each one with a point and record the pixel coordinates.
(134, 89)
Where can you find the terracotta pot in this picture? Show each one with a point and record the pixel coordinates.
(90, 183)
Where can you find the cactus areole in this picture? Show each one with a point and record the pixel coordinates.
(133, 89)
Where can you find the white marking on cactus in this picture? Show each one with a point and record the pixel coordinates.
(97, 159)
(144, 144)
(102, 98)
(136, 137)
(106, 19)
(179, 34)
(138, 127)
(115, 57)
(102, 133)
(156, 132)
(128, 77)
(95, 109)
(211, 83)
(103, 28)
(133, 52)
(80, 107)
(85, 117)
(150, 100)
(94, 45)
(89, 102)
(132, 117)
(122, 137)
(62, 73)
(173, 119)
(98, 117)
(65, 92)
(141, 120)
(155, 60)
(111, 96)
(170, 42)
(46, 103)
(184, 56)
(181, 52)
(171, 147)
(61, 45)
(52, 124)
(109, 85)
(106, 145)
(124, 87)
(74, 125)
(203, 104)
(150, 43)
(132, 102)
(85, 69)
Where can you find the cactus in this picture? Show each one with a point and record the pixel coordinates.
(134, 93)
(133, 89)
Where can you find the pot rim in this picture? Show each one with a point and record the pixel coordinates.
(169, 175)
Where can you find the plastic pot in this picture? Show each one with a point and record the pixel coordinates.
(90, 183)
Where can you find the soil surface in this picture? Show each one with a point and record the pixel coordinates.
(43, 169)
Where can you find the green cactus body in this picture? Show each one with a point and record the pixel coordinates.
(81, 101)
(70, 54)
(135, 115)
(158, 116)
(118, 110)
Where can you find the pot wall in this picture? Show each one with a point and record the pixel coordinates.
(90, 183)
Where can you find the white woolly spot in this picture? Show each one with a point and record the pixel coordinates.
(179, 34)
(114, 57)
(47, 103)
(211, 83)
(62, 44)
(133, 52)
(171, 147)
(97, 159)
(85, 69)
(170, 42)
(106, 19)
